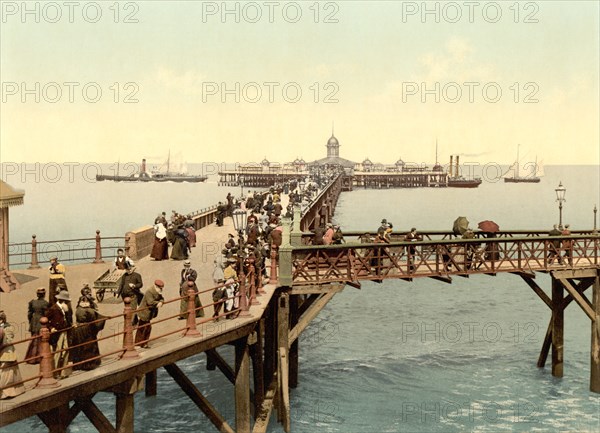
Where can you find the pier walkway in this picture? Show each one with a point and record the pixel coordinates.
(306, 279)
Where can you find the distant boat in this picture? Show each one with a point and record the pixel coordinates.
(164, 173)
(455, 180)
(530, 172)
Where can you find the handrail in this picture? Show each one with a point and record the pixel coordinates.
(47, 373)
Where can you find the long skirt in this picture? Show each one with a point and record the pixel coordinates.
(183, 306)
(179, 251)
(53, 289)
(9, 374)
(33, 355)
(160, 250)
(61, 359)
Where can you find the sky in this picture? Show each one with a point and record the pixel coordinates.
(240, 81)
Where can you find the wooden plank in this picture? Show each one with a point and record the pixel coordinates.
(242, 387)
(218, 360)
(198, 398)
(264, 414)
(576, 273)
(542, 295)
(285, 390)
(558, 318)
(309, 315)
(442, 279)
(581, 288)
(524, 274)
(316, 289)
(581, 300)
(294, 349)
(96, 417)
(595, 344)
(545, 347)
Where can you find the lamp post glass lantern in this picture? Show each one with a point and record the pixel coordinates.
(239, 219)
(560, 198)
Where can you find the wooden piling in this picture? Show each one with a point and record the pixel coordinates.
(558, 318)
(283, 329)
(294, 352)
(242, 386)
(595, 349)
(150, 387)
(125, 412)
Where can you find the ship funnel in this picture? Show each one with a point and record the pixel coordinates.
(143, 167)
(450, 167)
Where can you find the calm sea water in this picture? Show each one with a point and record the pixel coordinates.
(406, 357)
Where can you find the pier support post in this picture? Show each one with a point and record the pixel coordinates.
(256, 353)
(273, 273)
(128, 345)
(150, 387)
(191, 330)
(125, 413)
(283, 330)
(242, 386)
(558, 318)
(595, 349)
(98, 258)
(34, 254)
(294, 352)
(47, 362)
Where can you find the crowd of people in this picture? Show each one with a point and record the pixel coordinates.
(74, 331)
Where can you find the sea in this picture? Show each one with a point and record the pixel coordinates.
(420, 356)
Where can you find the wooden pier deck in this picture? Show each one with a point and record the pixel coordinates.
(308, 278)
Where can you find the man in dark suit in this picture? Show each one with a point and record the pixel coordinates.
(187, 273)
(131, 283)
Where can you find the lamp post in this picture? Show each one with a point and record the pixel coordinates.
(239, 224)
(595, 212)
(242, 185)
(560, 198)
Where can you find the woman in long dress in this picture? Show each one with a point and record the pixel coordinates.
(10, 376)
(36, 309)
(83, 336)
(160, 250)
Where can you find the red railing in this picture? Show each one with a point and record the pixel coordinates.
(441, 258)
(123, 333)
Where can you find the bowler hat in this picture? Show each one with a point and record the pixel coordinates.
(41, 290)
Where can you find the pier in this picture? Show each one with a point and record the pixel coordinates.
(303, 279)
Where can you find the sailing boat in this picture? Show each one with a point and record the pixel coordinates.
(530, 172)
(174, 171)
